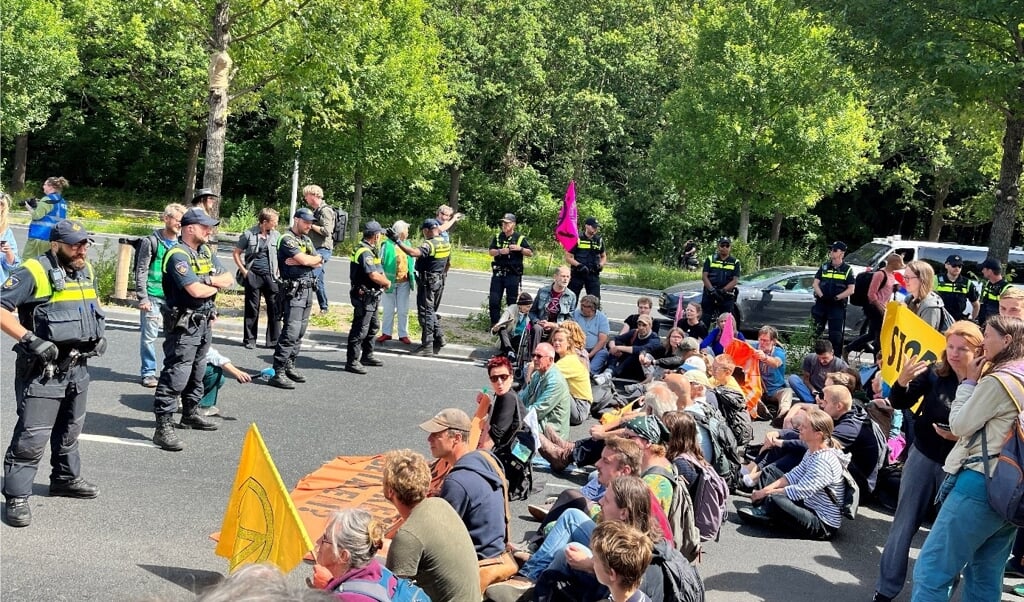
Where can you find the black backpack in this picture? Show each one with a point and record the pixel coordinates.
(733, 406)
(862, 288)
(340, 231)
(727, 457)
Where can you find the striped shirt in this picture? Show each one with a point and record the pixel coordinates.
(807, 483)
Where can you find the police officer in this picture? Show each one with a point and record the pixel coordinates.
(587, 259)
(431, 259)
(297, 258)
(721, 274)
(508, 248)
(993, 287)
(51, 379)
(192, 277)
(956, 290)
(833, 285)
(367, 281)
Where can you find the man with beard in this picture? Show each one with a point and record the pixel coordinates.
(51, 377)
(191, 280)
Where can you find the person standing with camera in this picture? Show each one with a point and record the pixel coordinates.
(46, 212)
(297, 259)
(508, 248)
(721, 274)
(255, 254)
(587, 259)
(52, 378)
(367, 281)
(431, 259)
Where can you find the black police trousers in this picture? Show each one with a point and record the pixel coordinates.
(711, 308)
(295, 309)
(185, 349)
(365, 325)
(591, 280)
(428, 286)
(256, 286)
(503, 284)
(833, 315)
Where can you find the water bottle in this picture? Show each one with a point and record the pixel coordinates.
(267, 373)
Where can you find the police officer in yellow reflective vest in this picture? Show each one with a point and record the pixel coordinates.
(431, 258)
(956, 291)
(508, 248)
(192, 277)
(367, 282)
(297, 258)
(51, 379)
(833, 285)
(993, 287)
(586, 260)
(720, 275)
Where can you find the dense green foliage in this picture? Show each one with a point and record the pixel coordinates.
(786, 124)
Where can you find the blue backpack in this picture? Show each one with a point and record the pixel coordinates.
(405, 591)
(1006, 485)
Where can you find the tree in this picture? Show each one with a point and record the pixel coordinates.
(766, 120)
(39, 56)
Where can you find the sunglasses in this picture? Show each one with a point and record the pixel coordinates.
(499, 377)
(538, 356)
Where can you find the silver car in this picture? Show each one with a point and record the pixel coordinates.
(781, 296)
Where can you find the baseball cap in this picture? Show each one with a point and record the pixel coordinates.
(69, 232)
(838, 246)
(304, 214)
(689, 344)
(372, 227)
(430, 223)
(955, 260)
(725, 240)
(695, 363)
(645, 318)
(197, 216)
(509, 217)
(592, 221)
(698, 377)
(992, 264)
(524, 298)
(204, 192)
(449, 418)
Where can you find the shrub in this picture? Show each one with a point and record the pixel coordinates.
(105, 269)
(243, 217)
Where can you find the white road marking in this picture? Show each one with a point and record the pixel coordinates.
(118, 440)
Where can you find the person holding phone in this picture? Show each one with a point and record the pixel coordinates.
(8, 245)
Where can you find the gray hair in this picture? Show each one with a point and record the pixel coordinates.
(355, 530)
(660, 398)
(400, 227)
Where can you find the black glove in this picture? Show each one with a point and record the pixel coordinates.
(31, 203)
(391, 234)
(41, 348)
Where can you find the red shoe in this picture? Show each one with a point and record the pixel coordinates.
(405, 341)
(384, 338)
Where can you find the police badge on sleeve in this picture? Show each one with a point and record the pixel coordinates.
(11, 282)
(181, 267)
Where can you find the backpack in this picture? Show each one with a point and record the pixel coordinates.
(946, 321)
(851, 496)
(405, 591)
(861, 284)
(681, 518)
(727, 457)
(679, 578)
(709, 503)
(1006, 485)
(733, 406)
(340, 231)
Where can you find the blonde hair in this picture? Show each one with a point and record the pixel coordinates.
(926, 276)
(314, 190)
(406, 476)
(5, 211)
(574, 335)
(970, 332)
(175, 210)
(1012, 292)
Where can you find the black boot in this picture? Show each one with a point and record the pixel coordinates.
(294, 374)
(355, 368)
(370, 360)
(165, 437)
(19, 514)
(280, 381)
(77, 487)
(190, 419)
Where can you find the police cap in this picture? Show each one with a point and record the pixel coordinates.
(69, 232)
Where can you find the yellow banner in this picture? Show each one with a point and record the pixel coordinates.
(905, 335)
(260, 522)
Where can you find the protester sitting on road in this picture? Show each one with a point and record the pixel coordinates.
(683, 448)
(691, 323)
(776, 396)
(261, 583)
(672, 355)
(347, 551)
(626, 350)
(432, 547)
(502, 419)
(816, 366)
(650, 433)
(935, 386)
(595, 327)
(847, 377)
(572, 363)
(921, 297)
(213, 380)
(722, 373)
(644, 306)
(621, 556)
(553, 305)
(806, 500)
(511, 327)
(547, 391)
(713, 340)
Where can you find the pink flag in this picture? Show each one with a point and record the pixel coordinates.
(566, 231)
(679, 307)
(728, 331)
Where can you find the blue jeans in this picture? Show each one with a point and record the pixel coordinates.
(150, 323)
(800, 390)
(599, 361)
(967, 536)
(321, 291)
(573, 525)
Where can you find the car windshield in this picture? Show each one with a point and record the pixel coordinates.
(762, 275)
(868, 255)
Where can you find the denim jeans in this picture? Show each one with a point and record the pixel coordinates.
(800, 390)
(793, 516)
(150, 323)
(396, 300)
(599, 361)
(967, 536)
(573, 525)
(319, 273)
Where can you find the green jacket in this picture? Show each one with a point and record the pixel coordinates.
(389, 263)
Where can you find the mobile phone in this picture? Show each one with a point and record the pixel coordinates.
(942, 425)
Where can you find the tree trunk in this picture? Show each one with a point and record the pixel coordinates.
(935, 227)
(20, 162)
(1004, 212)
(357, 204)
(453, 188)
(217, 120)
(194, 143)
(744, 220)
(777, 225)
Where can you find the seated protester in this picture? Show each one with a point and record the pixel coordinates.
(621, 556)
(626, 350)
(432, 547)
(723, 371)
(650, 433)
(713, 340)
(511, 326)
(671, 356)
(816, 366)
(683, 449)
(345, 555)
(507, 411)
(691, 324)
(772, 364)
(689, 389)
(553, 305)
(573, 365)
(848, 378)
(213, 380)
(806, 500)
(594, 324)
(644, 307)
(547, 391)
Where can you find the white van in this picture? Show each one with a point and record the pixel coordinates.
(873, 255)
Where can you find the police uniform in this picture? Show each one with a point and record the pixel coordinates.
(188, 332)
(506, 271)
(434, 254)
(990, 293)
(51, 387)
(365, 297)
(720, 273)
(295, 300)
(587, 253)
(832, 281)
(956, 295)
